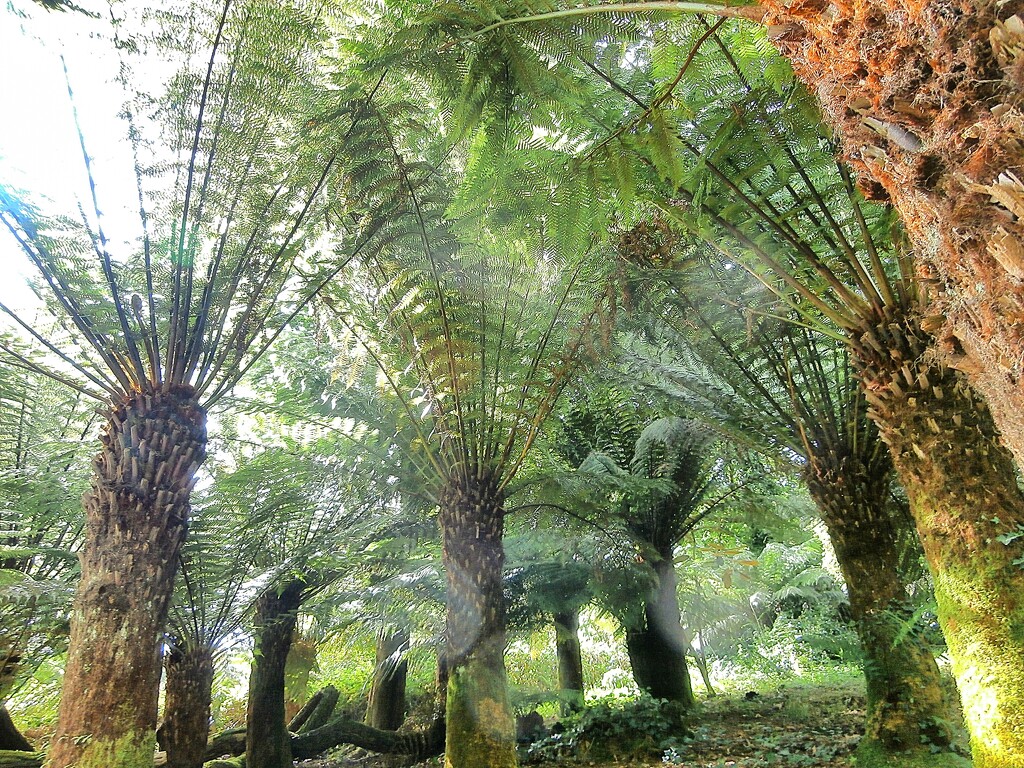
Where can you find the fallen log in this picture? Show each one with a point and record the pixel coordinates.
(321, 714)
(418, 744)
(12, 758)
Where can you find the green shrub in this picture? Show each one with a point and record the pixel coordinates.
(615, 729)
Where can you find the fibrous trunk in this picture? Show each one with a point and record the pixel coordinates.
(570, 659)
(386, 706)
(657, 652)
(267, 742)
(480, 727)
(136, 515)
(927, 99)
(906, 709)
(969, 512)
(188, 691)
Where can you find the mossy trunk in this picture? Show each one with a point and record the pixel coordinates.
(135, 519)
(926, 99)
(316, 712)
(657, 652)
(906, 709)
(480, 726)
(385, 708)
(969, 512)
(570, 660)
(188, 690)
(267, 741)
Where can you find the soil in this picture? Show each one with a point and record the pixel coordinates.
(782, 727)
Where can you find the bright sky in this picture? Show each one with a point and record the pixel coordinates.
(39, 148)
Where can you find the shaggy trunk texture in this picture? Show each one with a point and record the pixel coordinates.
(480, 726)
(385, 708)
(570, 659)
(268, 743)
(969, 512)
(906, 709)
(136, 517)
(927, 98)
(187, 694)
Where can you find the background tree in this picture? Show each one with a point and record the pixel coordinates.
(159, 330)
(795, 394)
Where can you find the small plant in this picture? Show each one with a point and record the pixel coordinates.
(616, 728)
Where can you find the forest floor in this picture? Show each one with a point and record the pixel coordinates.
(785, 727)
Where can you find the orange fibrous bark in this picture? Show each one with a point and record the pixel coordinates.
(927, 98)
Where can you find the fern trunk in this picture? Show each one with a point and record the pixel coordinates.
(136, 516)
(570, 659)
(480, 726)
(267, 741)
(925, 97)
(188, 691)
(906, 709)
(385, 708)
(10, 737)
(969, 512)
(657, 652)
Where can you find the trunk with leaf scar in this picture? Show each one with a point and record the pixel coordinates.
(906, 709)
(480, 726)
(187, 695)
(136, 516)
(969, 512)
(926, 100)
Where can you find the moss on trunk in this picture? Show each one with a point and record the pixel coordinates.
(969, 512)
(188, 691)
(906, 709)
(268, 743)
(480, 726)
(136, 513)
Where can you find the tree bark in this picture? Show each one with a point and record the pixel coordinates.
(480, 726)
(657, 652)
(385, 709)
(136, 516)
(969, 512)
(570, 660)
(267, 742)
(926, 98)
(187, 694)
(10, 737)
(906, 709)
(317, 711)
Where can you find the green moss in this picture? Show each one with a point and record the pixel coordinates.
(129, 751)
(871, 755)
(480, 728)
(987, 663)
